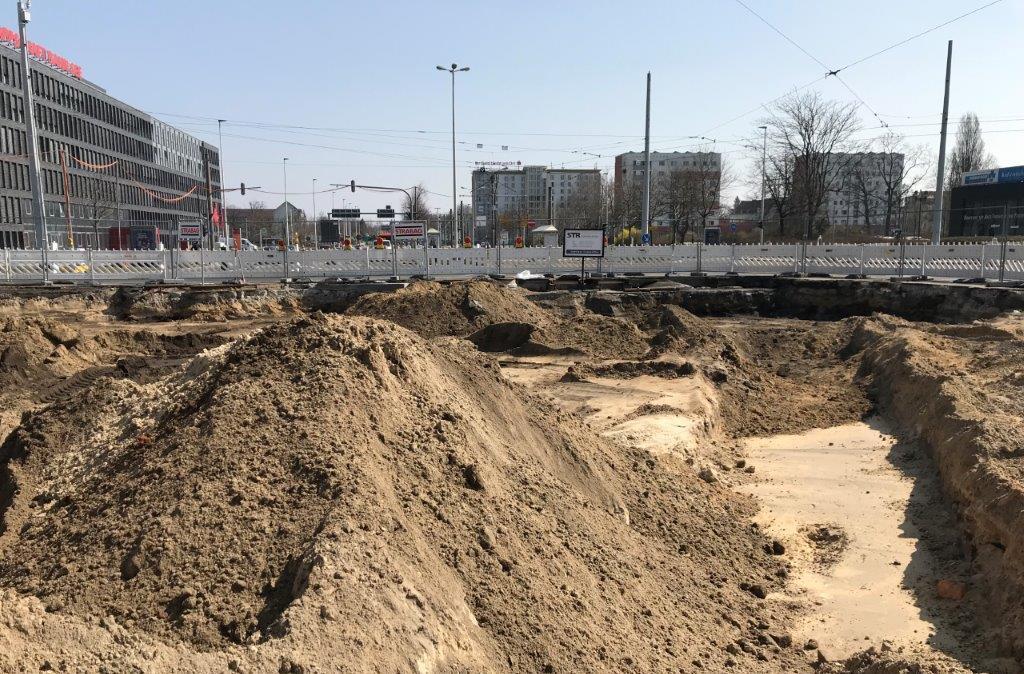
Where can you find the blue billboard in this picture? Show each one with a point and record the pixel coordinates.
(1010, 174)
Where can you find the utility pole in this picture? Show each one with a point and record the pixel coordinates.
(937, 219)
(35, 183)
(316, 221)
(223, 182)
(287, 222)
(764, 171)
(645, 227)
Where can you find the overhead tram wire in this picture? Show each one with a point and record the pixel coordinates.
(829, 72)
(858, 61)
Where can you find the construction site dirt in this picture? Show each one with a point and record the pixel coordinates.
(474, 477)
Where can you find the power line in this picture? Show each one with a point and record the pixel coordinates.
(784, 36)
(921, 34)
(853, 63)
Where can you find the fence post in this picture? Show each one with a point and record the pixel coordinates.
(92, 268)
(924, 259)
(1002, 260)
(700, 251)
(903, 255)
(732, 258)
(796, 259)
(672, 260)
(7, 263)
(499, 260)
(551, 267)
(367, 249)
(983, 247)
(863, 252)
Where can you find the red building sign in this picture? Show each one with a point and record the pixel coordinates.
(41, 53)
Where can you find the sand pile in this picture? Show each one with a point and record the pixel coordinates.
(207, 305)
(338, 492)
(500, 318)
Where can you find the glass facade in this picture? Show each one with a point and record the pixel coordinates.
(124, 168)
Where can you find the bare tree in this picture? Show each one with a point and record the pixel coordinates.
(969, 153)
(627, 206)
(585, 204)
(101, 197)
(778, 185)
(677, 201)
(710, 177)
(415, 203)
(901, 168)
(816, 133)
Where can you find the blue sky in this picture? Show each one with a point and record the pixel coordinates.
(549, 80)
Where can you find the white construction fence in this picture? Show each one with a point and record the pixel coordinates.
(992, 261)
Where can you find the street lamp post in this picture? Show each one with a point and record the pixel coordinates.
(287, 222)
(764, 169)
(454, 69)
(35, 183)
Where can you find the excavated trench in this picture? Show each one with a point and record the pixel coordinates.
(864, 471)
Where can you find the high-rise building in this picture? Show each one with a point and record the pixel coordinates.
(129, 177)
(504, 199)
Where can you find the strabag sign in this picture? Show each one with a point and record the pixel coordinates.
(583, 243)
(409, 231)
(188, 232)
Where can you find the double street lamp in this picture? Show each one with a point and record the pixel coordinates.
(454, 69)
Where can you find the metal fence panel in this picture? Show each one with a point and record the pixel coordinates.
(110, 266)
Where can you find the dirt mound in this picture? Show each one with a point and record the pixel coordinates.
(496, 317)
(337, 490)
(215, 304)
(786, 377)
(452, 309)
(889, 661)
(676, 329)
(628, 369)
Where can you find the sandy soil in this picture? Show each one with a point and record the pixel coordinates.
(853, 481)
(220, 482)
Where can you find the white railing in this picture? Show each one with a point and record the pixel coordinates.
(993, 261)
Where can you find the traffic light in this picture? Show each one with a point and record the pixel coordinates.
(353, 185)
(243, 189)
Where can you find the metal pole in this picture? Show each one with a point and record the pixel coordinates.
(287, 222)
(223, 182)
(937, 221)
(454, 188)
(764, 171)
(645, 227)
(316, 221)
(35, 183)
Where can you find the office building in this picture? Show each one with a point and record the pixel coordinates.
(504, 200)
(112, 175)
